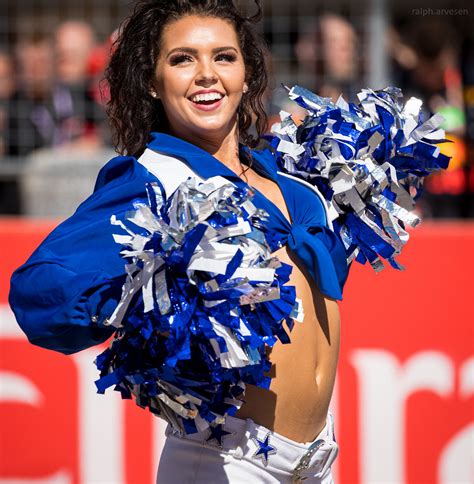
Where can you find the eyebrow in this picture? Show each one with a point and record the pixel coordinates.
(192, 51)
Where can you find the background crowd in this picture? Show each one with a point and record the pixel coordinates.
(52, 96)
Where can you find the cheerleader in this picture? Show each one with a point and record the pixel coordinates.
(243, 403)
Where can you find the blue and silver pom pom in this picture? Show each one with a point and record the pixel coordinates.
(368, 160)
(202, 301)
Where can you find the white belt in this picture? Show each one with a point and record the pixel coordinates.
(244, 439)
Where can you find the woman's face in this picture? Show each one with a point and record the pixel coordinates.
(200, 77)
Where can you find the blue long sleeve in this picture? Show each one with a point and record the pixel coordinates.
(72, 282)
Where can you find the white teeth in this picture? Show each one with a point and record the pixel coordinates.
(206, 97)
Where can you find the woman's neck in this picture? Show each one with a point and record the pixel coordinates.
(224, 148)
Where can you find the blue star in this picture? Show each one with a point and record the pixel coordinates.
(217, 434)
(264, 448)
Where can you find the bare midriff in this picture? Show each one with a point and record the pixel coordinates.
(303, 371)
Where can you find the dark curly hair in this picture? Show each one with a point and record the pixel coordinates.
(133, 112)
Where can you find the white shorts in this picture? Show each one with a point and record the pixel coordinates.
(242, 452)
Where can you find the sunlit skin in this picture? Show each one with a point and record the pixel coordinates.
(304, 371)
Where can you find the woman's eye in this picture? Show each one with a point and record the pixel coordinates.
(226, 57)
(179, 59)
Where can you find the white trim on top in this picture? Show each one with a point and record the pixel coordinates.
(172, 171)
(169, 170)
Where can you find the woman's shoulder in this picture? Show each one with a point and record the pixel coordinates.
(118, 167)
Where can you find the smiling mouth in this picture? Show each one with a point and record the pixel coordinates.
(206, 103)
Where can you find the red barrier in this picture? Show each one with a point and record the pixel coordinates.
(406, 379)
(403, 400)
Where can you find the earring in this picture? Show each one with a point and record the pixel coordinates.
(154, 94)
(245, 89)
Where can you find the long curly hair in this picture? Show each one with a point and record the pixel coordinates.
(133, 113)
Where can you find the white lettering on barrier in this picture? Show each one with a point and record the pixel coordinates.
(18, 388)
(384, 386)
(60, 477)
(8, 326)
(456, 463)
(100, 425)
(456, 460)
(466, 378)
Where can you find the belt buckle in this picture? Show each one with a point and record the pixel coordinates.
(303, 463)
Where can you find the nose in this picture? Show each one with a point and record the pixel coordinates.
(206, 75)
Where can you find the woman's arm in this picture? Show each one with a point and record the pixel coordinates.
(72, 282)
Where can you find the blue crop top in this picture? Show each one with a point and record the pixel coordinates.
(73, 280)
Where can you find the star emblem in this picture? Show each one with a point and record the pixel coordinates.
(264, 448)
(217, 433)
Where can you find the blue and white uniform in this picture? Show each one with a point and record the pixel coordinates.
(73, 280)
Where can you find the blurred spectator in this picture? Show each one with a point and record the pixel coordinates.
(7, 87)
(31, 124)
(9, 190)
(7, 79)
(54, 103)
(426, 65)
(75, 42)
(83, 117)
(329, 50)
